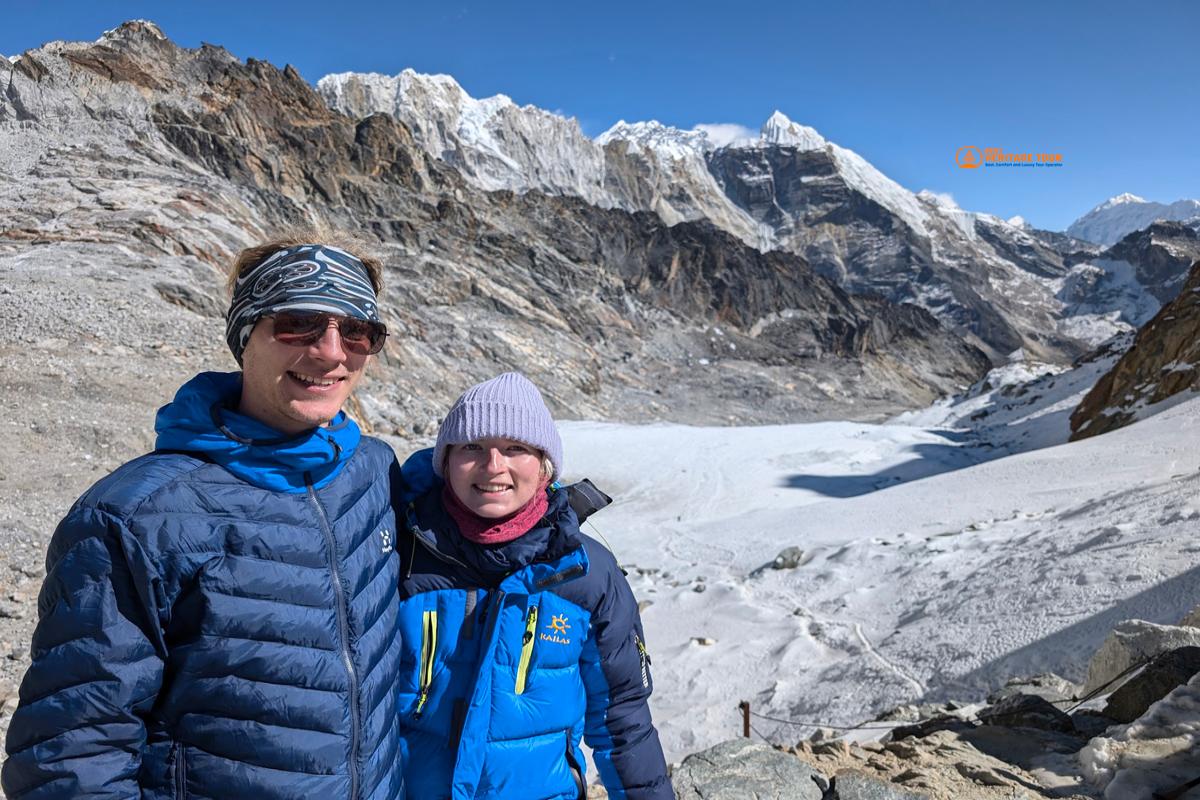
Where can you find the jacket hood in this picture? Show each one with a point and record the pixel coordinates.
(202, 419)
(538, 558)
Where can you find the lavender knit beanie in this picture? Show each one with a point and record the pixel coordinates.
(508, 406)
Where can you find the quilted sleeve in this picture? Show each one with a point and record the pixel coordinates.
(96, 668)
(616, 674)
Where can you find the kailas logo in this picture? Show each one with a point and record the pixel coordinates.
(968, 157)
(386, 537)
(558, 627)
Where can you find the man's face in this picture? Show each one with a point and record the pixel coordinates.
(292, 388)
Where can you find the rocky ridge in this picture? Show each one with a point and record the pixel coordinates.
(789, 189)
(616, 302)
(1161, 367)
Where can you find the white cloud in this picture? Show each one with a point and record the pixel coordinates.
(722, 133)
(941, 199)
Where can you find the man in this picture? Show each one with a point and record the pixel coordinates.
(219, 617)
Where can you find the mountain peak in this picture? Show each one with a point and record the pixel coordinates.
(1120, 199)
(653, 135)
(1110, 221)
(780, 130)
(131, 30)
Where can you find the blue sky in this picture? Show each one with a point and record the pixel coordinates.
(1111, 86)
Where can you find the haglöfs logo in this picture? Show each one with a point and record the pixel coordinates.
(968, 157)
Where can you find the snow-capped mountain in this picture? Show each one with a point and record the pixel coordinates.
(999, 284)
(494, 143)
(1118, 216)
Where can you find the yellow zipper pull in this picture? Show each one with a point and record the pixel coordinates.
(527, 649)
(428, 651)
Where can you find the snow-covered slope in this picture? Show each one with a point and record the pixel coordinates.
(1119, 216)
(924, 574)
(494, 143)
(664, 141)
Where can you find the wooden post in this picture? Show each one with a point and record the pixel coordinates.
(745, 707)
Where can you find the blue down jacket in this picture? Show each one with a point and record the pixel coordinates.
(510, 654)
(202, 636)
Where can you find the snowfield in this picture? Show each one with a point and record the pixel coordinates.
(928, 572)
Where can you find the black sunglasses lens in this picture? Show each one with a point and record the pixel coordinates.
(359, 336)
(363, 337)
(294, 328)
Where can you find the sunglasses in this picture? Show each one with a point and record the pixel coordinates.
(304, 328)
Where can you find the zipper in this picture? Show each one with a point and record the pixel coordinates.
(410, 519)
(527, 649)
(644, 657)
(576, 771)
(428, 651)
(568, 574)
(339, 592)
(180, 772)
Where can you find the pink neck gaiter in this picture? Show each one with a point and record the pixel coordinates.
(483, 530)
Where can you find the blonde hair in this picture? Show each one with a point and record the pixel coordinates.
(352, 243)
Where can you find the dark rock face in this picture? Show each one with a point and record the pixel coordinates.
(1152, 684)
(1162, 255)
(1049, 686)
(944, 722)
(1163, 361)
(1027, 711)
(844, 235)
(613, 313)
(848, 237)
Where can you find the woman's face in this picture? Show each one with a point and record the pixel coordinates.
(494, 477)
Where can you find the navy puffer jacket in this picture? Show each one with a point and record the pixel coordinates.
(202, 636)
(514, 653)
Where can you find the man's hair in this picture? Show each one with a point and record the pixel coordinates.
(353, 244)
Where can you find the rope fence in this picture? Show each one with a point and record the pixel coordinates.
(876, 725)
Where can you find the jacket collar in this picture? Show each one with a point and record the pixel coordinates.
(201, 419)
(551, 552)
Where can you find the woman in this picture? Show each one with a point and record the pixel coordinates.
(520, 633)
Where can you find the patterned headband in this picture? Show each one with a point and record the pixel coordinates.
(307, 277)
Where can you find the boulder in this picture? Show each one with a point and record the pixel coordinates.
(1047, 685)
(1132, 642)
(916, 712)
(851, 784)
(920, 730)
(1027, 711)
(788, 558)
(740, 768)
(1153, 683)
